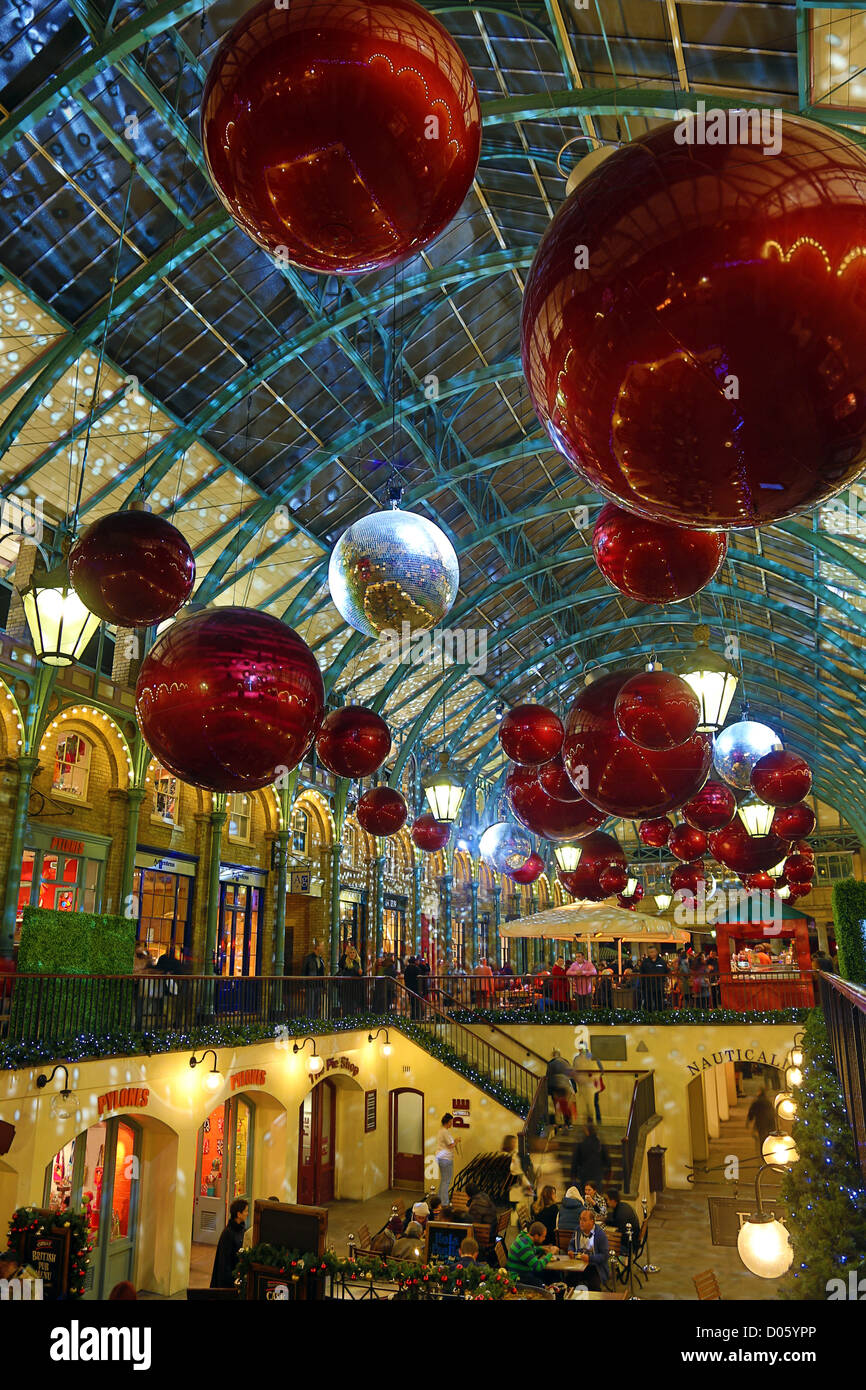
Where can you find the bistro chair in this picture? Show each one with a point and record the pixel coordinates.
(501, 1254)
(459, 1199)
(563, 1239)
(707, 1286)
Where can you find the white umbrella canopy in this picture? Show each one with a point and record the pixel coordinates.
(595, 923)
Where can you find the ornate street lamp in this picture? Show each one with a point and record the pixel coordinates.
(713, 679)
(60, 625)
(663, 901)
(764, 1244)
(757, 816)
(445, 789)
(568, 857)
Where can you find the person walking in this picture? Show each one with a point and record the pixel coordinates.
(561, 1089)
(229, 1246)
(591, 1160)
(762, 1117)
(446, 1148)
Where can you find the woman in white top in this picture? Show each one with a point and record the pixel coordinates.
(446, 1147)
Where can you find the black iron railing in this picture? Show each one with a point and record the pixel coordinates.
(757, 990)
(844, 1007)
(642, 1109)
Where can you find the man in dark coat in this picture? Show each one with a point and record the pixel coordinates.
(229, 1246)
(314, 968)
(410, 980)
(620, 1216)
(762, 1116)
(590, 1161)
(653, 973)
(482, 1212)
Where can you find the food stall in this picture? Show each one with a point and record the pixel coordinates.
(764, 958)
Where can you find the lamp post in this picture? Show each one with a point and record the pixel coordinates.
(568, 857)
(757, 816)
(445, 789)
(763, 1244)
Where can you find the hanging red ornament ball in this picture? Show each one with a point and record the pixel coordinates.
(528, 872)
(657, 710)
(799, 890)
(553, 778)
(687, 878)
(671, 322)
(613, 879)
(544, 815)
(761, 880)
(617, 776)
(630, 901)
(353, 742)
(781, 778)
(654, 563)
(798, 869)
(531, 735)
(341, 137)
(803, 847)
(582, 883)
(229, 699)
(713, 808)
(132, 568)
(430, 834)
(382, 811)
(744, 853)
(655, 833)
(687, 843)
(791, 821)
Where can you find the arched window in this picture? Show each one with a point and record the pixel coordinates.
(300, 832)
(72, 766)
(165, 795)
(240, 812)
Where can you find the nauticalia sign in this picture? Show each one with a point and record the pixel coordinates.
(731, 1054)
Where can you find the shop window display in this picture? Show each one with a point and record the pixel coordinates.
(213, 1153)
(72, 766)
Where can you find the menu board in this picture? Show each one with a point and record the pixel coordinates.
(48, 1255)
(369, 1111)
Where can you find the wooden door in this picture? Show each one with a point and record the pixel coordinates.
(407, 1137)
(317, 1124)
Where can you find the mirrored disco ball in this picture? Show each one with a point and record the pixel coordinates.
(505, 847)
(739, 747)
(391, 568)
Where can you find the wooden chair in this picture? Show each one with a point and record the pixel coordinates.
(707, 1286)
(501, 1254)
(563, 1239)
(459, 1199)
(363, 1238)
(503, 1221)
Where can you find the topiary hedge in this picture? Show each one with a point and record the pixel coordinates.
(849, 916)
(59, 944)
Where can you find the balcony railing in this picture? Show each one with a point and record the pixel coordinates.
(754, 990)
(844, 1007)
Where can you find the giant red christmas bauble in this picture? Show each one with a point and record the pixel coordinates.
(657, 710)
(617, 776)
(803, 847)
(799, 869)
(799, 890)
(651, 562)
(631, 900)
(229, 699)
(582, 883)
(781, 778)
(554, 779)
(543, 814)
(744, 853)
(681, 362)
(132, 568)
(353, 742)
(342, 137)
(687, 878)
(528, 872)
(791, 821)
(613, 879)
(712, 809)
(430, 834)
(655, 833)
(762, 881)
(687, 843)
(382, 811)
(531, 735)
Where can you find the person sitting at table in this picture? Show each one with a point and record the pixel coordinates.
(620, 1216)
(545, 1209)
(594, 1201)
(568, 1216)
(591, 1242)
(420, 1212)
(411, 1245)
(468, 1252)
(527, 1260)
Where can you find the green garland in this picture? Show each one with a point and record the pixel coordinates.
(414, 1281)
(618, 1018)
(849, 914)
(823, 1192)
(28, 1222)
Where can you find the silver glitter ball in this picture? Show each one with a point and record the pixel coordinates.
(738, 747)
(505, 847)
(391, 568)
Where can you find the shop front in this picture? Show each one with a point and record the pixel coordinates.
(317, 1128)
(765, 963)
(242, 890)
(353, 919)
(98, 1172)
(395, 909)
(224, 1166)
(62, 869)
(163, 888)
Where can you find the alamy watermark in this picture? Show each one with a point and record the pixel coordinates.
(21, 1288)
(712, 126)
(441, 646)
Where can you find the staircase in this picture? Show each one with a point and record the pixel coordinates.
(555, 1167)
